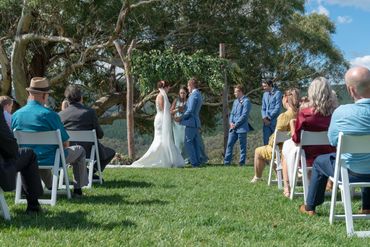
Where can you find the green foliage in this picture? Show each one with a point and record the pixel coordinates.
(176, 68)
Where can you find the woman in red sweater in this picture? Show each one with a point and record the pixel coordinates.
(315, 116)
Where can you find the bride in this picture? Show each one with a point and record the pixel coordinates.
(162, 152)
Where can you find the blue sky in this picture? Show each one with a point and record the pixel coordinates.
(352, 20)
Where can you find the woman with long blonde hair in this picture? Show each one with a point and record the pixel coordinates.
(315, 116)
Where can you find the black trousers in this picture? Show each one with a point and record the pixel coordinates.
(106, 155)
(26, 164)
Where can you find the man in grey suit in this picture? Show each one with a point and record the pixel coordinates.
(191, 120)
(79, 117)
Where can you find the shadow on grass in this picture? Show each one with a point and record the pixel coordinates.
(97, 199)
(64, 220)
(125, 184)
(113, 199)
(146, 202)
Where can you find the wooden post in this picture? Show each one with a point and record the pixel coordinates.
(225, 107)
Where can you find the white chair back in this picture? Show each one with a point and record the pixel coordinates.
(308, 138)
(44, 138)
(354, 144)
(88, 136)
(311, 138)
(279, 137)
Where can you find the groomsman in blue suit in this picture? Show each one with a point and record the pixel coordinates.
(191, 120)
(271, 107)
(239, 126)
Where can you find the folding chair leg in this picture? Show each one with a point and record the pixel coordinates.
(54, 188)
(61, 178)
(100, 173)
(333, 201)
(347, 206)
(91, 172)
(18, 189)
(4, 206)
(271, 168)
(66, 179)
(305, 183)
(279, 178)
(293, 183)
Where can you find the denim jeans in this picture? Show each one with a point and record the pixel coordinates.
(233, 137)
(323, 168)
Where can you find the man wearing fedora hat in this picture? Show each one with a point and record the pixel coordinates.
(35, 117)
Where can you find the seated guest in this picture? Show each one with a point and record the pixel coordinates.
(79, 117)
(35, 117)
(6, 104)
(350, 119)
(315, 117)
(64, 105)
(13, 160)
(263, 154)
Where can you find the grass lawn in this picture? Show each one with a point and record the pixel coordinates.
(210, 206)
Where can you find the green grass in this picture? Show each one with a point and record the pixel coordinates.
(210, 206)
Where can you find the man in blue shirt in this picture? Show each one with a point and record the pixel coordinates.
(34, 117)
(239, 127)
(271, 106)
(350, 119)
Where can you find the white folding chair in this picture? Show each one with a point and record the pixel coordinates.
(279, 137)
(4, 206)
(354, 145)
(88, 136)
(308, 138)
(44, 138)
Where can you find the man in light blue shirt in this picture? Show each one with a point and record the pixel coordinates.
(350, 119)
(271, 107)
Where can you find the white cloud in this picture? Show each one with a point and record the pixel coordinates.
(344, 19)
(361, 61)
(322, 10)
(362, 4)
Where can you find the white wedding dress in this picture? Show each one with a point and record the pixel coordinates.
(162, 152)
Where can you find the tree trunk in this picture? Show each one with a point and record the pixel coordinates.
(129, 109)
(225, 107)
(18, 68)
(126, 60)
(6, 82)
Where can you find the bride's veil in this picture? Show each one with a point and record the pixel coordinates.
(167, 134)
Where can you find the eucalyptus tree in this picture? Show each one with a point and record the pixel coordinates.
(86, 41)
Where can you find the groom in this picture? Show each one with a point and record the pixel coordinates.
(191, 120)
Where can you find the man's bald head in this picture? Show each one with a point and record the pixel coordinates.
(359, 79)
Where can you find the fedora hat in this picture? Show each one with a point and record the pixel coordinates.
(39, 85)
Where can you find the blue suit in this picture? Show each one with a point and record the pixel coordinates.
(191, 120)
(239, 117)
(271, 107)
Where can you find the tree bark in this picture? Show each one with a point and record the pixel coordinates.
(225, 107)
(6, 82)
(18, 68)
(126, 60)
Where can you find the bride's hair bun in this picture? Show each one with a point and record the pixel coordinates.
(162, 84)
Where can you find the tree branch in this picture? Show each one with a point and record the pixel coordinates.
(33, 37)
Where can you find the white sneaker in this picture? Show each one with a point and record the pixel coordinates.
(256, 179)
